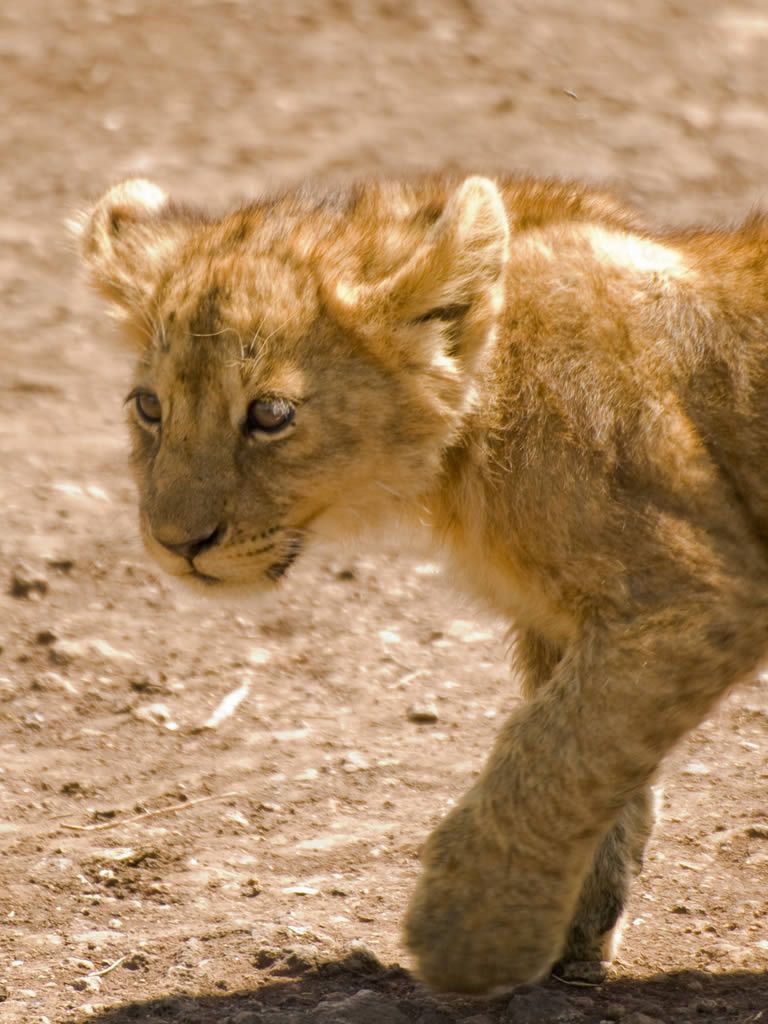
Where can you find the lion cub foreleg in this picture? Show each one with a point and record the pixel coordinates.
(594, 931)
(504, 871)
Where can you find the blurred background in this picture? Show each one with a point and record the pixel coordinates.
(344, 744)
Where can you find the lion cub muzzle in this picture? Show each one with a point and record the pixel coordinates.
(190, 549)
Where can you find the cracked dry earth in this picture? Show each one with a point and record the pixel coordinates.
(251, 786)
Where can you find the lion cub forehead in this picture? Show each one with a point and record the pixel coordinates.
(253, 295)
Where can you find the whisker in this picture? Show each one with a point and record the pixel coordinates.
(214, 334)
(279, 328)
(389, 490)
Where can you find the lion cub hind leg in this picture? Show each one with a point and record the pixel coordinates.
(594, 932)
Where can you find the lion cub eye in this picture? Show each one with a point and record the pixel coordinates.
(268, 417)
(147, 406)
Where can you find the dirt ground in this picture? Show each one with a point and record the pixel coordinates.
(248, 862)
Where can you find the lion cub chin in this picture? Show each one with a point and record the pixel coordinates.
(577, 409)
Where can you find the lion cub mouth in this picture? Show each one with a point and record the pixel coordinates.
(291, 547)
(201, 577)
(278, 569)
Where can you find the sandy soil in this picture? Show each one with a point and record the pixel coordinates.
(269, 886)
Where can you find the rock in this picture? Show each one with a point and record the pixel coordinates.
(364, 1007)
(97, 939)
(640, 1018)
(281, 1016)
(27, 583)
(157, 714)
(538, 1006)
(64, 652)
(136, 961)
(436, 1016)
(705, 1006)
(361, 956)
(696, 980)
(8, 688)
(422, 713)
(264, 958)
(353, 761)
(246, 1017)
(582, 972)
(295, 963)
(259, 656)
(80, 963)
(61, 564)
(88, 984)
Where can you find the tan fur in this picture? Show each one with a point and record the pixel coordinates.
(577, 406)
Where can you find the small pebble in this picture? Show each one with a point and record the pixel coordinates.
(694, 983)
(364, 955)
(353, 761)
(584, 972)
(246, 1017)
(422, 713)
(364, 1007)
(436, 1016)
(80, 963)
(61, 564)
(64, 652)
(88, 984)
(136, 961)
(705, 1006)
(26, 582)
(158, 714)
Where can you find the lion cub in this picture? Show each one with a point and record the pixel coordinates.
(579, 407)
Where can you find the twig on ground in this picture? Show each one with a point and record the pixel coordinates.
(100, 974)
(104, 825)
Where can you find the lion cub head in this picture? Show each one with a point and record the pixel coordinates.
(303, 362)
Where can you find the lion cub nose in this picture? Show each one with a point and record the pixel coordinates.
(190, 549)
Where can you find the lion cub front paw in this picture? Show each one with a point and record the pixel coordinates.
(484, 916)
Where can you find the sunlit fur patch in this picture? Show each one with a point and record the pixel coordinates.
(633, 252)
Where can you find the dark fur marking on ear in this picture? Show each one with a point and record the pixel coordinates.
(430, 214)
(447, 313)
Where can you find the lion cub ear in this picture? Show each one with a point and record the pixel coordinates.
(125, 241)
(445, 299)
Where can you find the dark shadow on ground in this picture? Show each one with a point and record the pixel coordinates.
(359, 990)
